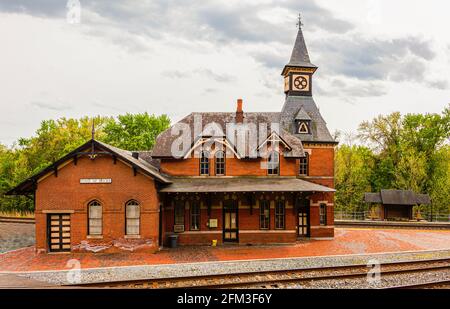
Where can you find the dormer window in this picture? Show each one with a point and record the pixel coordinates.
(303, 128)
(273, 163)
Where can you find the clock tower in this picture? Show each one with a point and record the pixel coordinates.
(300, 115)
(299, 71)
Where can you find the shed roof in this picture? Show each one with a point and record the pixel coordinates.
(242, 184)
(397, 197)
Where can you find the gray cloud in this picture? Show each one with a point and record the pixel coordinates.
(43, 8)
(439, 84)
(357, 89)
(54, 106)
(208, 73)
(403, 59)
(270, 59)
(130, 23)
(196, 19)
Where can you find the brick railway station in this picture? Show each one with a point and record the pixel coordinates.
(277, 188)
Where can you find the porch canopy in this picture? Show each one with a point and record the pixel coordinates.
(242, 184)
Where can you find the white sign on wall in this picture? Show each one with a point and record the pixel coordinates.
(95, 180)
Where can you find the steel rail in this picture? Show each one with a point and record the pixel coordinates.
(268, 277)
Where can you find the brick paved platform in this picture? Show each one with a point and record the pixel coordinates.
(346, 241)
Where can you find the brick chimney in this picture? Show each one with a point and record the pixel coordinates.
(239, 112)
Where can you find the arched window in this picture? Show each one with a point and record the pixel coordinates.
(304, 165)
(204, 163)
(132, 218)
(95, 214)
(220, 163)
(273, 163)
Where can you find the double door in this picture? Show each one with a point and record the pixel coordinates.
(58, 232)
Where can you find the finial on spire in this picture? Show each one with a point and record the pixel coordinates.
(93, 128)
(299, 22)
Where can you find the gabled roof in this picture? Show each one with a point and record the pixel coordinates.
(164, 141)
(27, 186)
(397, 197)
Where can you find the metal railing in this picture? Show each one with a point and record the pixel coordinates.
(367, 215)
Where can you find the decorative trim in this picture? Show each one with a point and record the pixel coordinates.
(69, 211)
(94, 237)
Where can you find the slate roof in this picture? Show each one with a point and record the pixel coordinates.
(302, 115)
(300, 55)
(397, 197)
(292, 106)
(144, 161)
(165, 139)
(242, 184)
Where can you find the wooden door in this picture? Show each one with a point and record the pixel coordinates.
(58, 233)
(230, 221)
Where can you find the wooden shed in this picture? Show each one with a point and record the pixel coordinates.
(396, 205)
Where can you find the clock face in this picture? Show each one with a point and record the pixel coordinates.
(300, 82)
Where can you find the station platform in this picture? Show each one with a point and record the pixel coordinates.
(346, 241)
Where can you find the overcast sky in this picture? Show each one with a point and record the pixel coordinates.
(180, 56)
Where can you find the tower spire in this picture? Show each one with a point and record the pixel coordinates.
(300, 55)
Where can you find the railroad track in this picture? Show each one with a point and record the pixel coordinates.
(441, 284)
(283, 278)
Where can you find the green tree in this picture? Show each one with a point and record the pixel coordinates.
(135, 131)
(354, 167)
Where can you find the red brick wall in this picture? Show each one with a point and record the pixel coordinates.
(321, 161)
(234, 167)
(65, 192)
(249, 229)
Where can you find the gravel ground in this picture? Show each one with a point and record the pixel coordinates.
(15, 235)
(208, 268)
(386, 281)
